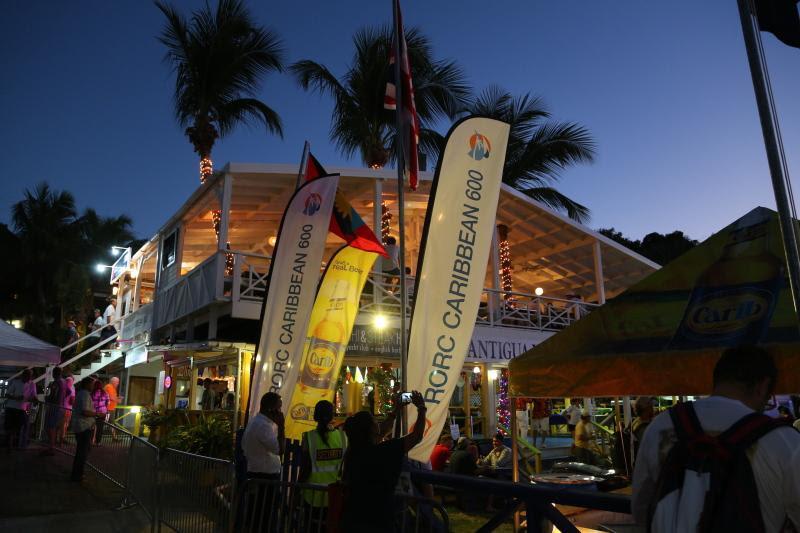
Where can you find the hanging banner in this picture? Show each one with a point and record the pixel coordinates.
(329, 329)
(293, 276)
(455, 251)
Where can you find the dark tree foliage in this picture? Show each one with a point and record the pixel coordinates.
(657, 247)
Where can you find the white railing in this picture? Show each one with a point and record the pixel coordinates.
(497, 308)
(523, 310)
(249, 278)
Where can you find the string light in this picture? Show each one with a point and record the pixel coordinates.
(386, 222)
(506, 267)
(206, 168)
(503, 408)
(216, 220)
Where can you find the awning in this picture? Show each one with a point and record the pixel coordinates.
(664, 335)
(17, 348)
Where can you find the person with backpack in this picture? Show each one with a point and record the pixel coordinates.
(719, 464)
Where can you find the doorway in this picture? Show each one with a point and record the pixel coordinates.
(141, 390)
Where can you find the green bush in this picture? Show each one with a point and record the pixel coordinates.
(211, 436)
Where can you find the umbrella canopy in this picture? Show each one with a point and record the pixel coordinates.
(664, 335)
(17, 348)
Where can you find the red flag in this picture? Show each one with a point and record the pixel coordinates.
(345, 221)
(314, 168)
(408, 111)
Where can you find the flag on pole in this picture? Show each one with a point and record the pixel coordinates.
(780, 18)
(406, 108)
(345, 221)
(293, 276)
(328, 335)
(456, 241)
(313, 168)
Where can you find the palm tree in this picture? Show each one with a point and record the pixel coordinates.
(45, 223)
(537, 150)
(219, 58)
(359, 123)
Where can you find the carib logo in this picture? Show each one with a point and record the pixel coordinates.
(313, 203)
(479, 147)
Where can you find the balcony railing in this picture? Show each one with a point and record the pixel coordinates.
(246, 286)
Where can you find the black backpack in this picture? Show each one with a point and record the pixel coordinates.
(731, 502)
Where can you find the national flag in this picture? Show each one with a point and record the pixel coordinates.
(313, 168)
(345, 221)
(408, 110)
(780, 18)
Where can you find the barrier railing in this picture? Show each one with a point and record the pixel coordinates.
(534, 505)
(195, 492)
(142, 478)
(285, 506)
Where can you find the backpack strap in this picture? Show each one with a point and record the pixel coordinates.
(749, 429)
(684, 419)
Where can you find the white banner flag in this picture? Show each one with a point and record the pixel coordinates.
(456, 245)
(293, 278)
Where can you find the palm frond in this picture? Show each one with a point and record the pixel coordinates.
(555, 200)
(246, 110)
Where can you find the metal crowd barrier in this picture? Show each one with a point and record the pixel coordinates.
(142, 478)
(286, 506)
(195, 492)
(533, 503)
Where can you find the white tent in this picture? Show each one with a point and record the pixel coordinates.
(17, 348)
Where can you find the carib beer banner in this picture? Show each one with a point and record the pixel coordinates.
(293, 276)
(664, 335)
(329, 329)
(455, 251)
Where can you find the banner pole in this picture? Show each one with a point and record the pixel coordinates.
(303, 162)
(400, 154)
(773, 146)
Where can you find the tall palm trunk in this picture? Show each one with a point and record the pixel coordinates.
(202, 136)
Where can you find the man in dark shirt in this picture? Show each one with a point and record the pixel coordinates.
(463, 461)
(371, 470)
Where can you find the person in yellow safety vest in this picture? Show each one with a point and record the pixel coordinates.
(323, 450)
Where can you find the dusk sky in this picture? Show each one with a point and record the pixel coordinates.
(664, 88)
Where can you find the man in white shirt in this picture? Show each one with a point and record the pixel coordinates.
(16, 416)
(263, 439)
(111, 311)
(743, 382)
(262, 444)
(98, 324)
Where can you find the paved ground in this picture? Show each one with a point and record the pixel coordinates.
(38, 497)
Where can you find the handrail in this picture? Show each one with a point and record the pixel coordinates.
(86, 351)
(248, 254)
(536, 297)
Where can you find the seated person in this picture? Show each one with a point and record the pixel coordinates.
(586, 448)
(462, 461)
(441, 453)
(499, 456)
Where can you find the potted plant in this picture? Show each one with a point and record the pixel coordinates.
(155, 418)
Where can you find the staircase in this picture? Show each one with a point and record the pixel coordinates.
(106, 358)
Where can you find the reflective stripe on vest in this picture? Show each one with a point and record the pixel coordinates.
(326, 460)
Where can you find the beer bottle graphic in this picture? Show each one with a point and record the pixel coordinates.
(327, 340)
(733, 300)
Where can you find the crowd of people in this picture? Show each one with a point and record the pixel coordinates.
(83, 408)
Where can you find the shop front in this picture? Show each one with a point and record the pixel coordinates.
(480, 401)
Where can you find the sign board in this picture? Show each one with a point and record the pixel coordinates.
(121, 265)
(488, 344)
(135, 334)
